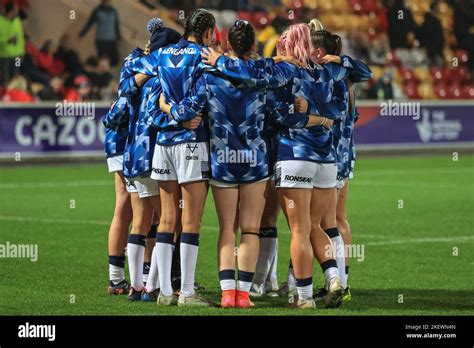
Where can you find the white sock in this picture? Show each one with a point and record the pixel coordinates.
(244, 282)
(164, 253)
(227, 279)
(189, 253)
(152, 280)
(271, 283)
(266, 253)
(116, 274)
(227, 284)
(145, 275)
(305, 292)
(116, 269)
(291, 279)
(338, 244)
(330, 273)
(136, 254)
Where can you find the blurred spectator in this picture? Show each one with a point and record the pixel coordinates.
(80, 90)
(68, 56)
(383, 89)
(225, 12)
(100, 76)
(108, 30)
(18, 91)
(431, 36)
(46, 61)
(12, 41)
(401, 26)
(281, 21)
(358, 44)
(29, 68)
(53, 90)
(464, 27)
(378, 50)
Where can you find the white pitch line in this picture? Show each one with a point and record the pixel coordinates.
(422, 240)
(49, 184)
(54, 221)
(360, 174)
(433, 185)
(216, 228)
(408, 171)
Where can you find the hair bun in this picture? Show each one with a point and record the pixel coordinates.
(154, 24)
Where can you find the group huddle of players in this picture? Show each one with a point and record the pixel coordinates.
(266, 134)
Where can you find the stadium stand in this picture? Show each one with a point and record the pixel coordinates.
(427, 54)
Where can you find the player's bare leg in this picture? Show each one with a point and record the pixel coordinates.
(296, 204)
(251, 206)
(265, 280)
(170, 195)
(329, 225)
(322, 246)
(142, 219)
(345, 230)
(227, 207)
(117, 240)
(150, 294)
(194, 196)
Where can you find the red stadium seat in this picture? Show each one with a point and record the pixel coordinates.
(441, 90)
(408, 75)
(411, 90)
(357, 5)
(296, 4)
(246, 16)
(467, 92)
(460, 75)
(455, 91)
(393, 59)
(462, 56)
(261, 19)
(369, 6)
(439, 74)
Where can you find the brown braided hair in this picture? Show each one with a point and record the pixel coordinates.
(242, 38)
(197, 24)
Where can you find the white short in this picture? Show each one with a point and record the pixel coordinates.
(131, 187)
(222, 184)
(182, 162)
(146, 187)
(340, 183)
(305, 174)
(115, 163)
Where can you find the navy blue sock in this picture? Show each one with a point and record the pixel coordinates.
(332, 232)
(328, 264)
(268, 232)
(118, 261)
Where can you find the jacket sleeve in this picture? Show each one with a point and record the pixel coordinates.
(193, 103)
(284, 113)
(354, 70)
(117, 116)
(160, 119)
(263, 73)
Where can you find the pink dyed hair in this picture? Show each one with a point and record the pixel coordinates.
(296, 42)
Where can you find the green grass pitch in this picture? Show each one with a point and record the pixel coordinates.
(423, 252)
